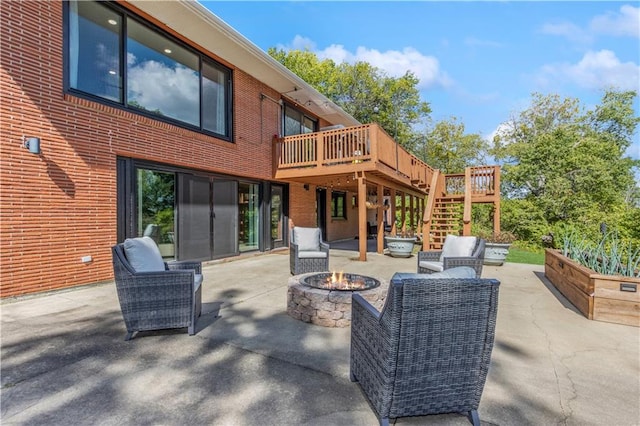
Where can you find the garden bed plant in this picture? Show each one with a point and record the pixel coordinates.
(609, 256)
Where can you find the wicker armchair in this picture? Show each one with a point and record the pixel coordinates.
(153, 294)
(453, 254)
(428, 351)
(307, 251)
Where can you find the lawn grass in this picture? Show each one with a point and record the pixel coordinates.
(518, 255)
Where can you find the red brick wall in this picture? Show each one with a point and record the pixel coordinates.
(302, 205)
(61, 205)
(302, 212)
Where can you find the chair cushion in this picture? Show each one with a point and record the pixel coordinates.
(455, 246)
(457, 272)
(143, 254)
(434, 266)
(307, 239)
(311, 254)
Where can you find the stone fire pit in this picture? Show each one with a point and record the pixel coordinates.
(329, 307)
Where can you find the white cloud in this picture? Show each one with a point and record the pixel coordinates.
(502, 129)
(625, 23)
(596, 70)
(300, 43)
(566, 29)
(172, 91)
(394, 62)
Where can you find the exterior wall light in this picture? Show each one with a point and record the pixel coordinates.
(32, 144)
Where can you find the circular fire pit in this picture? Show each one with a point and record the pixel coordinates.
(339, 281)
(318, 299)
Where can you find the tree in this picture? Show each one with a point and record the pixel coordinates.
(450, 150)
(570, 165)
(363, 91)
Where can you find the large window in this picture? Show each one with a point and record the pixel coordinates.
(296, 123)
(117, 58)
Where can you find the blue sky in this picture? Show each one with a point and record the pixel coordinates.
(477, 61)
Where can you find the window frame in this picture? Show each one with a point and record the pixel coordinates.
(335, 210)
(302, 120)
(123, 105)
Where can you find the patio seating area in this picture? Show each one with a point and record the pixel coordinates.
(64, 360)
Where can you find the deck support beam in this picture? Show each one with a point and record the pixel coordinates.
(362, 217)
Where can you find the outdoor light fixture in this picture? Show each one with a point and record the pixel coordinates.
(32, 144)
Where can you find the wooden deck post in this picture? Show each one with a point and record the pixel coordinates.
(403, 213)
(392, 215)
(380, 219)
(362, 218)
(496, 202)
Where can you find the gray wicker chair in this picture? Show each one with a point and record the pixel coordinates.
(307, 251)
(431, 261)
(428, 351)
(157, 299)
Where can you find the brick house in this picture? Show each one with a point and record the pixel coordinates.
(129, 118)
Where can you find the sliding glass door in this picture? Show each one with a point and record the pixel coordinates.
(155, 202)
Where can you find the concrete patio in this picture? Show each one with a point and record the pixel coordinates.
(64, 360)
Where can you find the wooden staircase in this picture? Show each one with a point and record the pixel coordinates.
(446, 219)
(448, 208)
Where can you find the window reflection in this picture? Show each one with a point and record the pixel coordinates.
(162, 77)
(156, 207)
(248, 216)
(94, 44)
(214, 99)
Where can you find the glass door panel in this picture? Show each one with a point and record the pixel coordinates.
(248, 216)
(156, 208)
(277, 216)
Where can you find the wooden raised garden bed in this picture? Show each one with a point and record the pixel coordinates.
(608, 298)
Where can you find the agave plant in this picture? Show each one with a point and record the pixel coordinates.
(609, 256)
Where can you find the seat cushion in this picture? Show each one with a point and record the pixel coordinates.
(455, 246)
(433, 266)
(311, 254)
(457, 272)
(143, 254)
(307, 239)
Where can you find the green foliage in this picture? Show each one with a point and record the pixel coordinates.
(157, 201)
(564, 165)
(608, 256)
(450, 150)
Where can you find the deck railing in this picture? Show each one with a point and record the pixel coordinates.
(368, 143)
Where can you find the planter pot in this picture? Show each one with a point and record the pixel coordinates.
(608, 298)
(495, 253)
(400, 246)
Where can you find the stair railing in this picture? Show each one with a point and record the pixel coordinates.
(436, 190)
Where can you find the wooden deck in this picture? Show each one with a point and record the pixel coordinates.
(364, 158)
